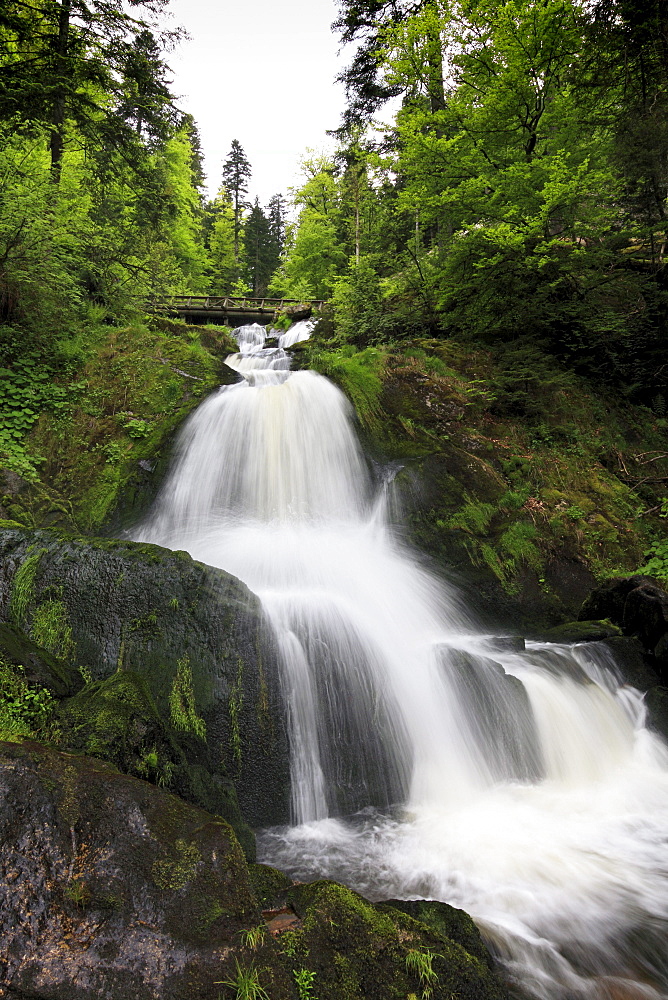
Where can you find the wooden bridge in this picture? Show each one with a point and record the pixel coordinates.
(228, 309)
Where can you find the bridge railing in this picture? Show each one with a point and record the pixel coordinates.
(226, 303)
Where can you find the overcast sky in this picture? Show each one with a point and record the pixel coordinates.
(261, 72)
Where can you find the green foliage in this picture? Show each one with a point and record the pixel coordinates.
(245, 983)
(420, 963)
(22, 586)
(522, 185)
(518, 543)
(25, 709)
(474, 517)
(137, 428)
(236, 173)
(360, 311)
(51, 629)
(657, 553)
(315, 253)
(235, 705)
(182, 710)
(657, 561)
(253, 937)
(304, 979)
(224, 265)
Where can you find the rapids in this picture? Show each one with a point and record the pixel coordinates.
(426, 761)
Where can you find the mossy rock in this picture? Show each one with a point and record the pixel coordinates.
(571, 632)
(117, 721)
(451, 922)
(125, 891)
(362, 951)
(40, 667)
(195, 635)
(270, 886)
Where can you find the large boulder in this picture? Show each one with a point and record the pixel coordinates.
(195, 636)
(112, 888)
(639, 605)
(608, 599)
(39, 667)
(362, 951)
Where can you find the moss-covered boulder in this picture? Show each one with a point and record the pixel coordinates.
(585, 631)
(117, 720)
(357, 950)
(195, 636)
(114, 888)
(39, 667)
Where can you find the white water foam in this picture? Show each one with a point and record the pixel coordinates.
(426, 763)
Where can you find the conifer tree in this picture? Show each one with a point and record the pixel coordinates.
(236, 174)
(260, 260)
(70, 65)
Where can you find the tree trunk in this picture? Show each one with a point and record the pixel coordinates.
(61, 47)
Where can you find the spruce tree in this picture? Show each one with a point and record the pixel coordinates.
(259, 256)
(236, 174)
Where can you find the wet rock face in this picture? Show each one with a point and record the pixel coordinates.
(640, 607)
(112, 888)
(195, 635)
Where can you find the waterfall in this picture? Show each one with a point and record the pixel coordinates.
(427, 761)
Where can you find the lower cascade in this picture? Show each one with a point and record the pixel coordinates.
(427, 760)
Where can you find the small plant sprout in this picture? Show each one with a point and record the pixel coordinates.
(304, 980)
(246, 983)
(253, 937)
(421, 964)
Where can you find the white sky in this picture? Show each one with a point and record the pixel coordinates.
(261, 72)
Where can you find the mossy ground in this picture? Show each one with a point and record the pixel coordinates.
(128, 389)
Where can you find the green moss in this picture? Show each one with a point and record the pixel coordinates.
(182, 710)
(235, 704)
(98, 501)
(362, 951)
(175, 873)
(128, 391)
(51, 628)
(588, 631)
(518, 543)
(474, 517)
(359, 374)
(269, 885)
(22, 586)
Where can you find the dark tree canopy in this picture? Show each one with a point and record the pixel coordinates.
(89, 63)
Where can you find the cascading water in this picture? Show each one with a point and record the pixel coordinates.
(426, 762)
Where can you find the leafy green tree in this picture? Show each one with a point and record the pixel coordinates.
(367, 84)
(315, 255)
